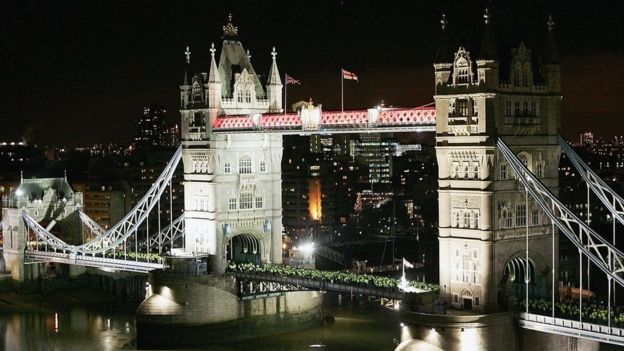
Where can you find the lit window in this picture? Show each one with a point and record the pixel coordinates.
(244, 164)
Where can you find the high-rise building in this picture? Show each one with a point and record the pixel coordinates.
(152, 130)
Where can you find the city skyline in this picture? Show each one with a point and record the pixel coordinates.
(91, 66)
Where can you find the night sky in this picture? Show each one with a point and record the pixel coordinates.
(76, 73)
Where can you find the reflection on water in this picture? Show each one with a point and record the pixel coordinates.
(357, 326)
(74, 329)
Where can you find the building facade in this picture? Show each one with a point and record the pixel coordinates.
(483, 211)
(232, 182)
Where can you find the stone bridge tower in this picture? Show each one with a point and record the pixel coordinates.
(506, 91)
(232, 182)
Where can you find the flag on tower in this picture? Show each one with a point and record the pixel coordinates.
(292, 81)
(407, 264)
(349, 75)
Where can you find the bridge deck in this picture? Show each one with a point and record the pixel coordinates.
(389, 293)
(560, 326)
(92, 261)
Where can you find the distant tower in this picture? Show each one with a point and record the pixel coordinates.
(232, 182)
(482, 208)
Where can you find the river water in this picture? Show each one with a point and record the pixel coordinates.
(357, 326)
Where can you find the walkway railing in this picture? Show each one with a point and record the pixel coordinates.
(560, 326)
(389, 293)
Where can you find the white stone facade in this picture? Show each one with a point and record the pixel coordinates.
(232, 181)
(482, 211)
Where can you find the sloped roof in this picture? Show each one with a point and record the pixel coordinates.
(233, 53)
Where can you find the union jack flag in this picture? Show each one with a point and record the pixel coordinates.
(349, 75)
(292, 81)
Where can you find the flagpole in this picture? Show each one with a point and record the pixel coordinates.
(341, 90)
(285, 92)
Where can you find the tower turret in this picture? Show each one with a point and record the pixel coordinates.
(185, 88)
(214, 82)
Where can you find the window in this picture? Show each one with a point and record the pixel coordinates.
(466, 219)
(535, 216)
(454, 170)
(525, 78)
(457, 218)
(259, 202)
(507, 219)
(476, 301)
(461, 107)
(262, 166)
(476, 219)
(476, 171)
(244, 164)
(232, 203)
(503, 171)
(227, 168)
(508, 108)
(533, 108)
(524, 160)
(517, 108)
(462, 75)
(525, 108)
(248, 96)
(246, 201)
(455, 298)
(239, 96)
(540, 170)
(520, 215)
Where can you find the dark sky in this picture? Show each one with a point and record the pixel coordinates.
(75, 73)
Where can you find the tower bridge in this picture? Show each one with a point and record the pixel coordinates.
(496, 127)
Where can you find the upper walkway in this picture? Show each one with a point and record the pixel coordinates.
(315, 121)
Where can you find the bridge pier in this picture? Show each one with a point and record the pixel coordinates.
(496, 331)
(14, 232)
(208, 308)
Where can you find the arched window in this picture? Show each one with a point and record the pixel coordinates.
(248, 96)
(457, 218)
(476, 219)
(476, 171)
(239, 96)
(244, 164)
(462, 75)
(540, 170)
(197, 92)
(454, 170)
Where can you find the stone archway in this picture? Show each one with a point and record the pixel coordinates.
(247, 246)
(467, 299)
(513, 283)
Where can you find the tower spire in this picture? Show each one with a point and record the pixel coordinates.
(187, 53)
(488, 46)
(551, 53)
(274, 77)
(444, 53)
(213, 76)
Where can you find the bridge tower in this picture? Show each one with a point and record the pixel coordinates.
(511, 93)
(232, 182)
